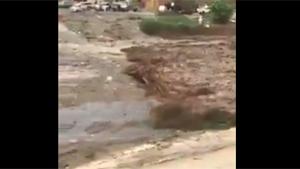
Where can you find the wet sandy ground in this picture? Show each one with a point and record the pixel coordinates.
(218, 159)
(214, 149)
(99, 116)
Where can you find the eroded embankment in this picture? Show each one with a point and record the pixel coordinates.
(195, 80)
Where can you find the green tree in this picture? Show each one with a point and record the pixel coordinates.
(221, 11)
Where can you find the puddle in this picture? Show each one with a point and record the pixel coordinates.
(119, 121)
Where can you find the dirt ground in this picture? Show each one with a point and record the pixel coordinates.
(111, 76)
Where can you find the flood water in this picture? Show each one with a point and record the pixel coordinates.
(119, 121)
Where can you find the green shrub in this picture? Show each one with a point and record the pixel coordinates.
(174, 23)
(221, 11)
(64, 6)
(167, 13)
(175, 19)
(150, 26)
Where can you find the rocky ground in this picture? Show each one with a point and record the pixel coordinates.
(111, 76)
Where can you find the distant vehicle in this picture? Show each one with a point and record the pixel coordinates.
(103, 6)
(65, 4)
(115, 5)
(82, 6)
(76, 8)
(120, 5)
(87, 5)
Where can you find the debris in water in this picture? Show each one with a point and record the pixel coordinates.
(97, 127)
(99, 17)
(73, 141)
(66, 166)
(108, 79)
(139, 148)
(67, 126)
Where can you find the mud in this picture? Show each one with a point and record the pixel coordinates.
(183, 71)
(180, 115)
(107, 122)
(201, 76)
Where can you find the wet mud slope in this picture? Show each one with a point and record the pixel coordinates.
(199, 78)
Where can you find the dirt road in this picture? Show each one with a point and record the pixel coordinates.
(103, 112)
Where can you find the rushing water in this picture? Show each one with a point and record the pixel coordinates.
(118, 121)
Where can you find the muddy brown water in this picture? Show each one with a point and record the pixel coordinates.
(95, 129)
(118, 121)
